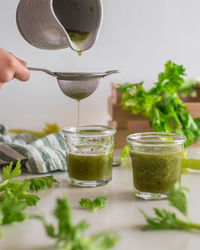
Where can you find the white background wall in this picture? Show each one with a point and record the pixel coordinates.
(137, 37)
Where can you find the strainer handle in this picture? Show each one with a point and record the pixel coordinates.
(49, 72)
(110, 72)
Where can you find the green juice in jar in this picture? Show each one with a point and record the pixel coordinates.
(89, 167)
(156, 172)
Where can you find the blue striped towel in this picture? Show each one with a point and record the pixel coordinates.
(37, 155)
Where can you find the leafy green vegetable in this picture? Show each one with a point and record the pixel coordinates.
(178, 197)
(190, 164)
(12, 209)
(70, 237)
(125, 153)
(15, 195)
(41, 183)
(162, 105)
(167, 220)
(188, 88)
(15, 198)
(8, 173)
(164, 219)
(94, 205)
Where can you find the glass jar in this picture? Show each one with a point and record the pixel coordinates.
(156, 163)
(89, 155)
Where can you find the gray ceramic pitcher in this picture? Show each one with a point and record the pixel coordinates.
(48, 24)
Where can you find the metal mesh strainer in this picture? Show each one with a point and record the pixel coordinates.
(77, 85)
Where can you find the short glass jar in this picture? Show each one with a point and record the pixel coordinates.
(89, 155)
(156, 163)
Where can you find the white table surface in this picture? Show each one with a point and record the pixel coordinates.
(121, 214)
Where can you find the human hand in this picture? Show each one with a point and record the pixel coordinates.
(12, 67)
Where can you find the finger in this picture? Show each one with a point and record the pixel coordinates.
(1, 85)
(21, 61)
(21, 72)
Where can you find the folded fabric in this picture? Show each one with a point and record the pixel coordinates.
(37, 155)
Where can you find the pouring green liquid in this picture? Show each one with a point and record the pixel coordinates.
(78, 37)
(78, 113)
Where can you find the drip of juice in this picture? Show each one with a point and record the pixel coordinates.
(78, 113)
(79, 52)
(77, 37)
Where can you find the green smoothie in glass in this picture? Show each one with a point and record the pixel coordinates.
(156, 172)
(89, 167)
(156, 163)
(89, 154)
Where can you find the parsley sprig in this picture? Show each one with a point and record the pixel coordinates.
(162, 105)
(166, 220)
(16, 196)
(69, 236)
(94, 205)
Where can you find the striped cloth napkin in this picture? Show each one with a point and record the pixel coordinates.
(37, 155)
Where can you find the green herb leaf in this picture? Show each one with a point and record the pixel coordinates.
(12, 209)
(178, 198)
(125, 153)
(94, 205)
(8, 173)
(164, 220)
(15, 195)
(190, 164)
(188, 88)
(128, 85)
(105, 240)
(64, 216)
(70, 237)
(30, 199)
(167, 220)
(161, 104)
(41, 183)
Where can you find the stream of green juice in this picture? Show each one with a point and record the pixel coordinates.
(78, 113)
